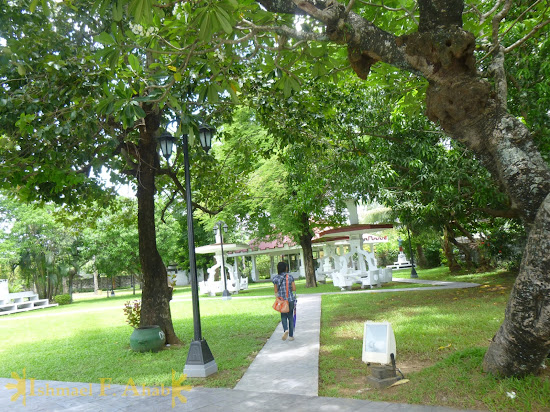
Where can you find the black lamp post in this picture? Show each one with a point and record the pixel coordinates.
(414, 275)
(219, 226)
(200, 362)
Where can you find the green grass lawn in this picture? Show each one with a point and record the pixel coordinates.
(90, 340)
(441, 339)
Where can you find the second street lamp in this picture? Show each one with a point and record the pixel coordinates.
(414, 275)
(200, 362)
(222, 227)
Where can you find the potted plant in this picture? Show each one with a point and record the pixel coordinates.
(143, 338)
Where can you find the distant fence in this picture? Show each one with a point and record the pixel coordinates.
(104, 283)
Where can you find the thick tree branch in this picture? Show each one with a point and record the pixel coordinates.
(508, 213)
(463, 230)
(313, 11)
(367, 43)
(499, 74)
(288, 6)
(496, 22)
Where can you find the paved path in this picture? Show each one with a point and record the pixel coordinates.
(289, 366)
(118, 398)
(436, 285)
(283, 373)
(293, 366)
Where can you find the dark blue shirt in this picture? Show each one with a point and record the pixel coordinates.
(280, 281)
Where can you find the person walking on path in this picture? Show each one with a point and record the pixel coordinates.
(286, 288)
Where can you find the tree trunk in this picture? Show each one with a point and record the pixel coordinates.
(307, 249)
(465, 251)
(65, 285)
(523, 340)
(421, 258)
(156, 295)
(71, 281)
(471, 111)
(96, 282)
(448, 250)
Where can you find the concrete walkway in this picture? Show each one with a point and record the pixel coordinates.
(289, 366)
(118, 398)
(435, 285)
(284, 375)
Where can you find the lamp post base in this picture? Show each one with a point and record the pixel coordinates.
(414, 275)
(226, 295)
(200, 361)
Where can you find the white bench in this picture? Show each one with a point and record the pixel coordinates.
(25, 305)
(372, 279)
(344, 282)
(9, 307)
(21, 302)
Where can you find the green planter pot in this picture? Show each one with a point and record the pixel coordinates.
(147, 339)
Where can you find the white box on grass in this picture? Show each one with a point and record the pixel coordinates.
(378, 342)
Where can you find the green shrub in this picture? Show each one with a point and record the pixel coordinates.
(386, 253)
(432, 253)
(132, 310)
(62, 299)
(263, 266)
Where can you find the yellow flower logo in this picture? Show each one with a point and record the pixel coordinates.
(20, 386)
(177, 388)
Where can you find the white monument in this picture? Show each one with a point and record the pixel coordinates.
(402, 262)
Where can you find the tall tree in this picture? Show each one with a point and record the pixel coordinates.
(82, 88)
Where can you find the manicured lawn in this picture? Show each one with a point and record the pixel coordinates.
(88, 341)
(441, 339)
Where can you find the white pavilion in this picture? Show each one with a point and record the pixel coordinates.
(341, 255)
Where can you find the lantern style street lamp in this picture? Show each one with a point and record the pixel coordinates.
(205, 136)
(166, 141)
(218, 227)
(200, 362)
(414, 275)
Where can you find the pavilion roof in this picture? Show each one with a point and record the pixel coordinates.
(285, 242)
(344, 232)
